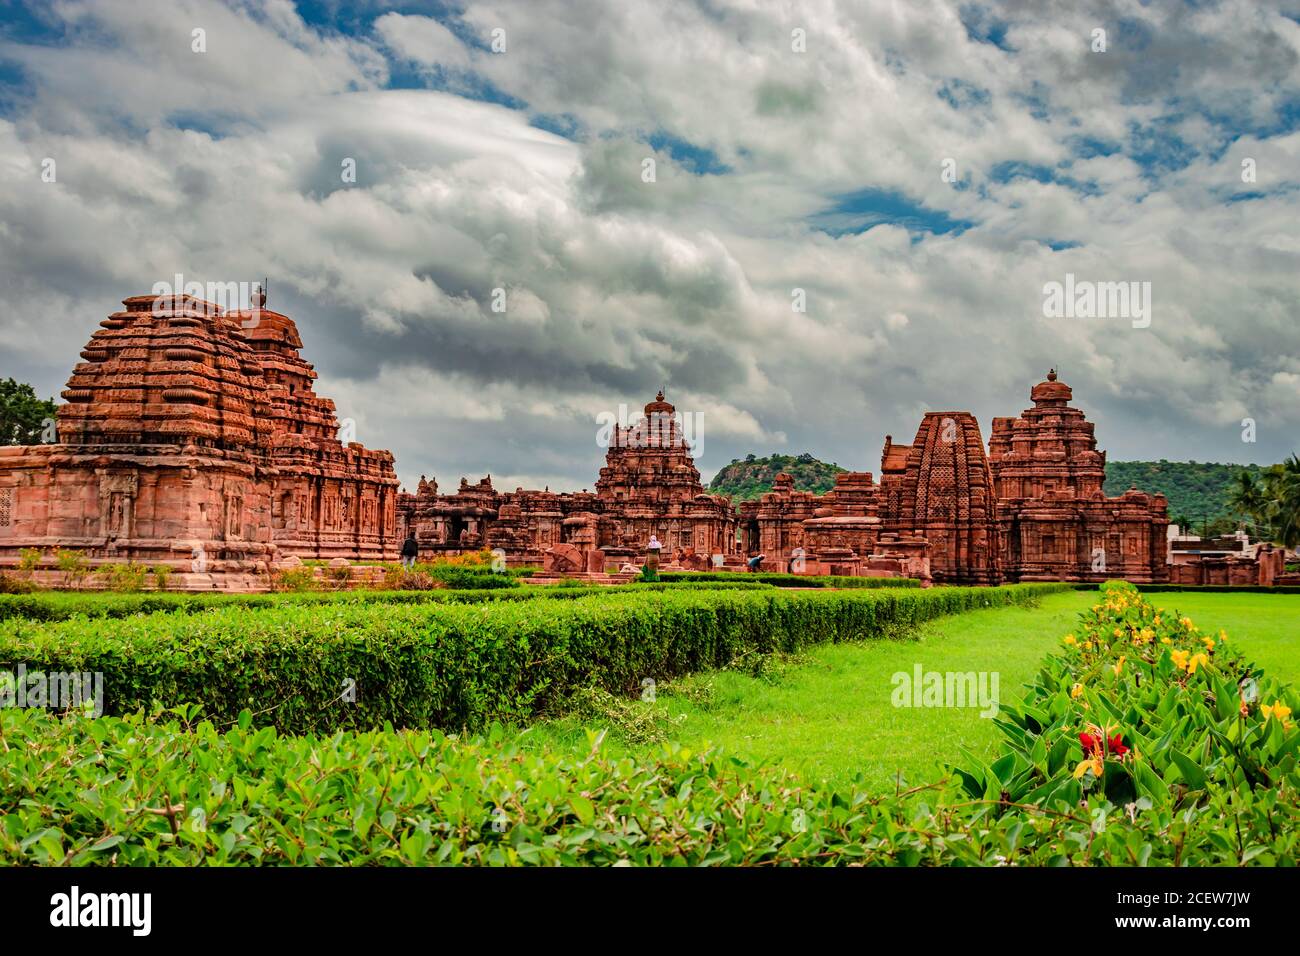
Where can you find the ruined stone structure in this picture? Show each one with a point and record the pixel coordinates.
(1031, 508)
(192, 437)
(649, 486)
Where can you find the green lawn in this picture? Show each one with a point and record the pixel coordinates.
(830, 715)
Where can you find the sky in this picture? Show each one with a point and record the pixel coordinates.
(808, 222)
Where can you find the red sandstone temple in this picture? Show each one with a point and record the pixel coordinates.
(649, 486)
(1031, 508)
(192, 438)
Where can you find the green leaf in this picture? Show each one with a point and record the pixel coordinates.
(1191, 771)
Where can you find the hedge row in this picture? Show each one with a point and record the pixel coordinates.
(792, 580)
(322, 667)
(63, 605)
(1128, 750)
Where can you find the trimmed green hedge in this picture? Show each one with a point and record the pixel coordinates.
(63, 605)
(792, 580)
(453, 665)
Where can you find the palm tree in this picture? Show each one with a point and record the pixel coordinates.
(1272, 504)
(1249, 499)
(1286, 502)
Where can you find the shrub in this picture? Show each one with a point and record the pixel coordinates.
(294, 579)
(14, 585)
(162, 575)
(28, 559)
(1145, 741)
(450, 665)
(73, 565)
(465, 578)
(59, 606)
(127, 577)
(791, 580)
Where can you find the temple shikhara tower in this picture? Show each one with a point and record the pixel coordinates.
(648, 487)
(192, 437)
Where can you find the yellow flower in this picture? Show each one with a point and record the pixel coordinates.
(1119, 666)
(1087, 645)
(1069, 640)
(1166, 640)
(1223, 635)
(1276, 709)
(1156, 622)
(1208, 642)
(1187, 623)
(1075, 691)
(1200, 659)
(1118, 632)
(1092, 763)
(1179, 658)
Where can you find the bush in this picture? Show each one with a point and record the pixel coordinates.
(128, 577)
(449, 665)
(28, 559)
(791, 580)
(294, 579)
(14, 585)
(60, 606)
(466, 578)
(1146, 741)
(73, 565)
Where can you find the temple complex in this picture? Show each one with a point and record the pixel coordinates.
(649, 486)
(1030, 508)
(191, 437)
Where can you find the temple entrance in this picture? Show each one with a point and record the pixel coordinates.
(455, 528)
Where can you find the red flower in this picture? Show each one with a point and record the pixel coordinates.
(1114, 744)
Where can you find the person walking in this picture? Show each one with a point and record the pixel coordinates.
(410, 551)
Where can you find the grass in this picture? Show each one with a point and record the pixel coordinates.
(829, 716)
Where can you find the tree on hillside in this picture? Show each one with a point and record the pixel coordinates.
(22, 414)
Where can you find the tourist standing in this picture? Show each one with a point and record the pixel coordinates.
(410, 551)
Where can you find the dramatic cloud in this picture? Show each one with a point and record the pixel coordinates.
(914, 174)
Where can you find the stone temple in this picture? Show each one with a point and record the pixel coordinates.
(649, 486)
(1030, 508)
(192, 437)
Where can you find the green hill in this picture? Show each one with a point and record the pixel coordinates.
(752, 477)
(1197, 491)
